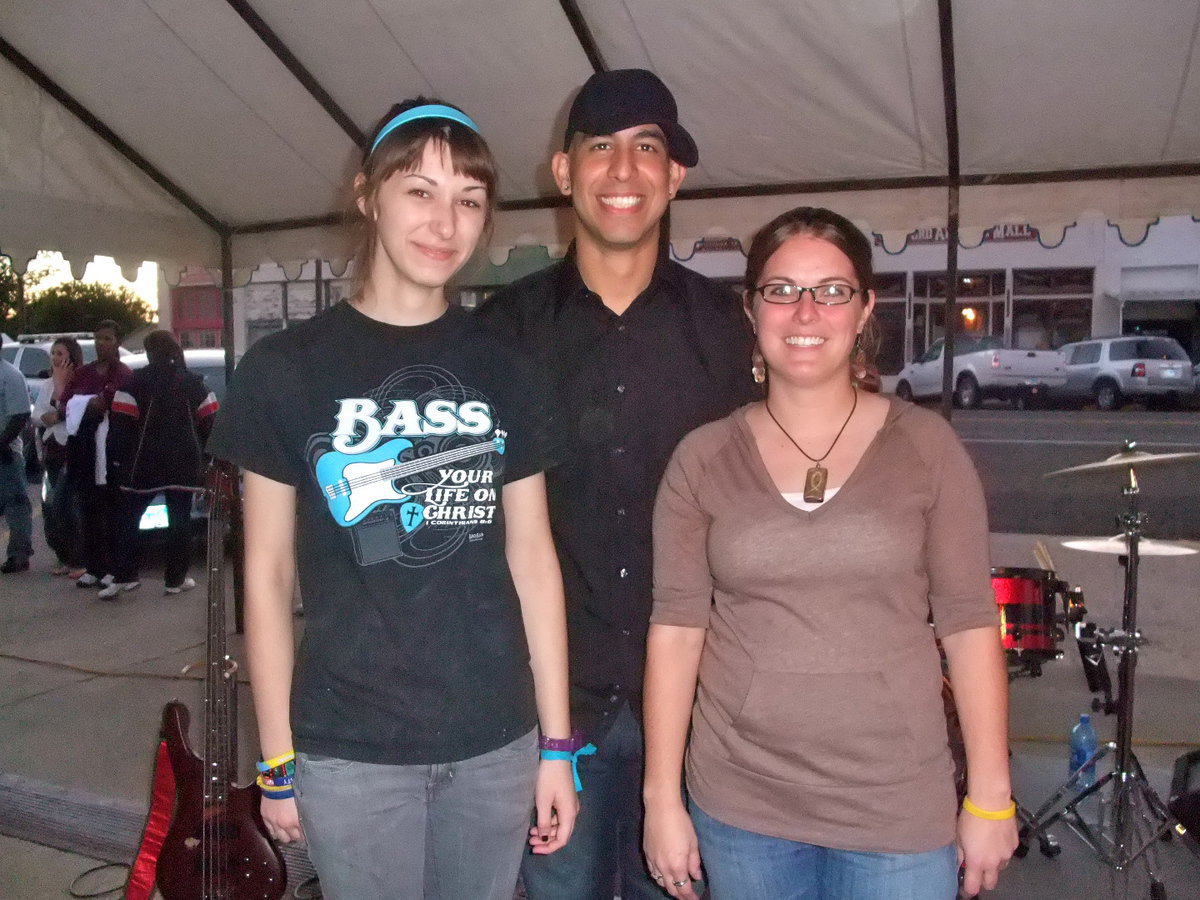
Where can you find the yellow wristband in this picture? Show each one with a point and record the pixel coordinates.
(992, 815)
(280, 760)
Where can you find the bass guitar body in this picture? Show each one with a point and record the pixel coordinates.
(217, 847)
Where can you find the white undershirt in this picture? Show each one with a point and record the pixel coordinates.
(796, 498)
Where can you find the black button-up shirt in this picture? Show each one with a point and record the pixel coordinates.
(630, 387)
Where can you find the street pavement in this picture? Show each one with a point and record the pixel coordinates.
(1014, 449)
(83, 683)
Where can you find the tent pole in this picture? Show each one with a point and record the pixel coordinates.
(950, 307)
(953, 170)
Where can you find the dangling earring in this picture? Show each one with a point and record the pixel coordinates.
(858, 361)
(758, 367)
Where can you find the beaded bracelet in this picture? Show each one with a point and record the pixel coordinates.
(993, 815)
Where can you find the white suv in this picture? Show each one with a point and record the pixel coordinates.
(1111, 370)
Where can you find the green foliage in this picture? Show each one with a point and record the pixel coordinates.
(10, 296)
(79, 306)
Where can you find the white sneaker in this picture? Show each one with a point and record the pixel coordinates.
(86, 580)
(116, 587)
(186, 585)
(107, 580)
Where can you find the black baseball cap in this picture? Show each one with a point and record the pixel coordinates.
(609, 102)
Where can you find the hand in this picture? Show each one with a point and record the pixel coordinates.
(984, 848)
(556, 804)
(282, 820)
(672, 851)
(61, 374)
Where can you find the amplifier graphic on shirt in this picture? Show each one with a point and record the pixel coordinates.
(354, 485)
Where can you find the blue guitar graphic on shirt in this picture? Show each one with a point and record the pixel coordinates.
(355, 485)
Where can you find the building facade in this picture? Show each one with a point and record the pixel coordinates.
(1031, 288)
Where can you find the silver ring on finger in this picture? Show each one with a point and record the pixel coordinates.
(679, 883)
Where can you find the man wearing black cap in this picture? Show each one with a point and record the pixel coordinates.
(641, 351)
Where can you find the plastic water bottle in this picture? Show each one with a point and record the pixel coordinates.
(1083, 744)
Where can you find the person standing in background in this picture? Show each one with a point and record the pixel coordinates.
(61, 513)
(14, 494)
(159, 424)
(642, 350)
(99, 381)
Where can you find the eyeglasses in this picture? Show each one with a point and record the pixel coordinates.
(824, 294)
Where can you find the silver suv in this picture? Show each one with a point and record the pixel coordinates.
(1112, 370)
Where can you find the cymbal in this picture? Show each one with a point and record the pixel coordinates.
(1119, 546)
(1138, 459)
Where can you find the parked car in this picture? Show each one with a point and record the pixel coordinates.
(209, 363)
(982, 368)
(1112, 370)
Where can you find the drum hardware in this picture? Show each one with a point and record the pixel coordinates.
(1035, 609)
(1134, 816)
(1090, 641)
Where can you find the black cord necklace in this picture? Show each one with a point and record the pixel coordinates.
(817, 476)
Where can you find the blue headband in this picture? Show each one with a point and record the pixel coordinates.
(429, 111)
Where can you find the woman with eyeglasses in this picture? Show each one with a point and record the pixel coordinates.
(801, 548)
(394, 452)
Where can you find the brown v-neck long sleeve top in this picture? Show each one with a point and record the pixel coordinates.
(818, 715)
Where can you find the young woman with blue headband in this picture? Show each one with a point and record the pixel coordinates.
(394, 453)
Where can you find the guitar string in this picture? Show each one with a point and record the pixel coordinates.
(216, 724)
(417, 465)
(399, 471)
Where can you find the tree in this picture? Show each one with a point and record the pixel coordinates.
(10, 296)
(80, 306)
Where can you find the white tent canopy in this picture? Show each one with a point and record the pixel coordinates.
(150, 129)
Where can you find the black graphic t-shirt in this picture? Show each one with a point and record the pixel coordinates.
(399, 441)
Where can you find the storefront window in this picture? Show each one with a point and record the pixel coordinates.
(1044, 324)
(1043, 282)
(889, 317)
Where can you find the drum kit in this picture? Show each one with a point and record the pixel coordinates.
(1036, 609)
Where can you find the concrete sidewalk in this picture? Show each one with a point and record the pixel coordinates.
(83, 683)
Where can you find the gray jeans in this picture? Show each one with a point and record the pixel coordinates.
(439, 832)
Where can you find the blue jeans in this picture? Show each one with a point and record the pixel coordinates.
(607, 841)
(62, 516)
(15, 506)
(441, 832)
(743, 865)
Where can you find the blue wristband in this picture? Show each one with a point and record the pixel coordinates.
(585, 750)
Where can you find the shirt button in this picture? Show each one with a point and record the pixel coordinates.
(621, 327)
(620, 388)
(621, 512)
(617, 451)
(625, 631)
(623, 573)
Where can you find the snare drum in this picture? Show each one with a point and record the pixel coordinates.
(1030, 620)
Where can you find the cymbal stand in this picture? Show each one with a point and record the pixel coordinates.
(1133, 816)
